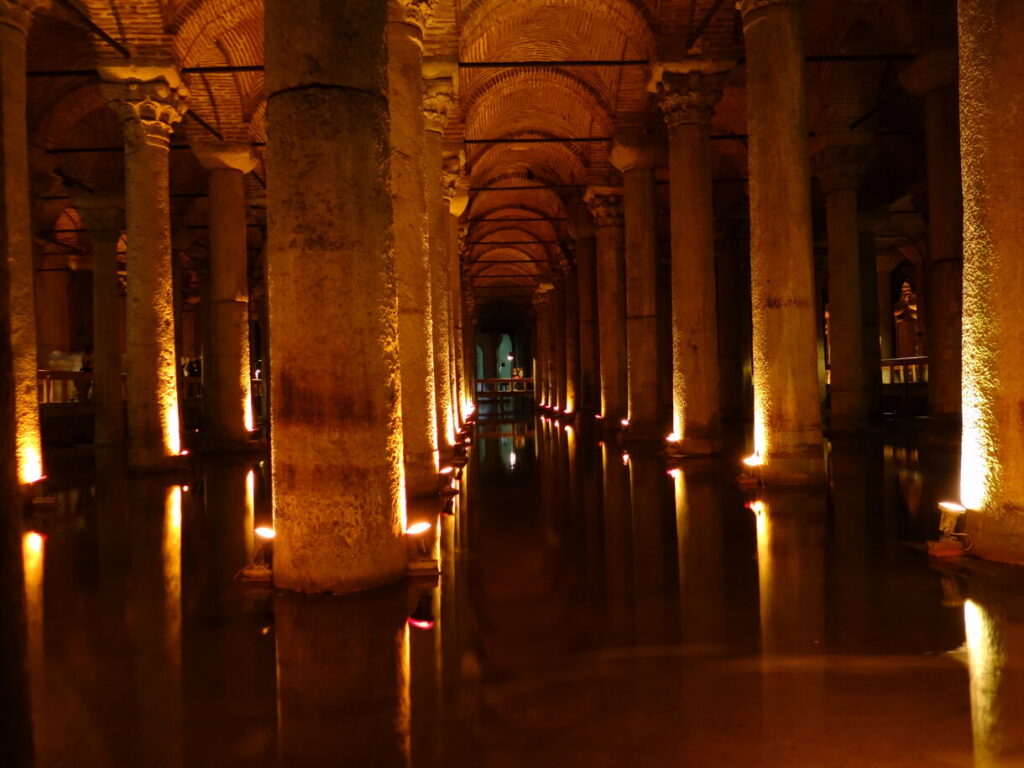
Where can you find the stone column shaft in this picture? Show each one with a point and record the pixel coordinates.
(16, 235)
(438, 98)
(458, 332)
(606, 206)
(416, 306)
(992, 121)
(105, 226)
(556, 337)
(688, 99)
(787, 418)
(336, 425)
(149, 111)
(227, 380)
(589, 363)
(571, 320)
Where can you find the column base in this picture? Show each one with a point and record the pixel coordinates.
(993, 538)
(789, 470)
(421, 476)
(694, 447)
(165, 465)
(251, 444)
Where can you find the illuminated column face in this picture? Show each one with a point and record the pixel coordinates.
(992, 123)
(149, 111)
(787, 418)
(688, 99)
(16, 234)
(227, 381)
(605, 205)
(437, 99)
(416, 307)
(336, 426)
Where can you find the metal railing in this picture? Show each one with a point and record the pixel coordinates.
(905, 370)
(504, 387)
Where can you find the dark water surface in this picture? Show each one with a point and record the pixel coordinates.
(593, 610)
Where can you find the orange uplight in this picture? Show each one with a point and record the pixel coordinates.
(184, 452)
(757, 507)
(446, 470)
(33, 543)
(421, 623)
(953, 507)
(754, 460)
(184, 489)
(672, 438)
(624, 422)
(265, 532)
(625, 458)
(417, 528)
(568, 428)
(674, 472)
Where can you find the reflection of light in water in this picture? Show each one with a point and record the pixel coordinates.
(505, 446)
(764, 565)
(986, 658)
(172, 568)
(33, 547)
(512, 459)
(403, 720)
(250, 512)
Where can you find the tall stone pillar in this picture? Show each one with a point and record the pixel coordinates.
(556, 340)
(571, 334)
(842, 160)
(589, 394)
(992, 122)
(105, 221)
(227, 380)
(688, 99)
(453, 204)
(605, 205)
(469, 343)
(416, 309)
(16, 233)
(637, 157)
(336, 434)
(437, 99)
(933, 77)
(787, 418)
(149, 99)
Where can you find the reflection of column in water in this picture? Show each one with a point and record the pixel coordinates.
(995, 651)
(33, 554)
(425, 628)
(618, 548)
(702, 589)
(155, 610)
(654, 554)
(343, 679)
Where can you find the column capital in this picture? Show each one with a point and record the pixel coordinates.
(746, 7)
(605, 204)
(18, 13)
(438, 95)
(415, 12)
(100, 213)
(637, 148)
(687, 96)
(935, 69)
(225, 155)
(147, 95)
(841, 159)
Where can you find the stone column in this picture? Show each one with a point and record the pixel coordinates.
(556, 340)
(606, 207)
(842, 160)
(437, 99)
(992, 122)
(571, 334)
(105, 221)
(933, 77)
(16, 233)
(688, 99)
(227, 381)
(149, 99)
(450, 177)
(469, 344)
(416, 308)
(636, 156)
(787, 418)
(589, 395)
(336, 435)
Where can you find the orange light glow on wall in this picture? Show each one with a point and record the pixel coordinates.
(30, 453)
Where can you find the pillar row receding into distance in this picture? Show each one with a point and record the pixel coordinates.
(637, 153)
(16, 233)
(787, 415)
(336, 425)
(842, 160)
(582, 228)
(416, 307)
(689, 93)
(571, 333)
(992, 148)
(227, 380)
(605, 205)
(438, 95)
(452, 206)
(104, 218)
(149, 98)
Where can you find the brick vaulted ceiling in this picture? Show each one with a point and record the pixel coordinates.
(523, 194)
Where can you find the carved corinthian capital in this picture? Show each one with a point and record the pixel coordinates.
(605, 205)
(18, 13)
(416, 12)
(149, 110)
(689, 97)
(438, 94)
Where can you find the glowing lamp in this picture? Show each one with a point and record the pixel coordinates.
(598, 416)
(672, 438)
(184, 452)
(625, 458)
(757, 507)
(753, 460)
(421, 623)
(951, 514)
(265, 532)
(674, 472)
(33, 542)
(185, 489)
(624, 422)
(568, 428)
(447, 470)
(417, 528)
(510, 357)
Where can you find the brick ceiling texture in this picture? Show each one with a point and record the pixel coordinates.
(542, 101)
